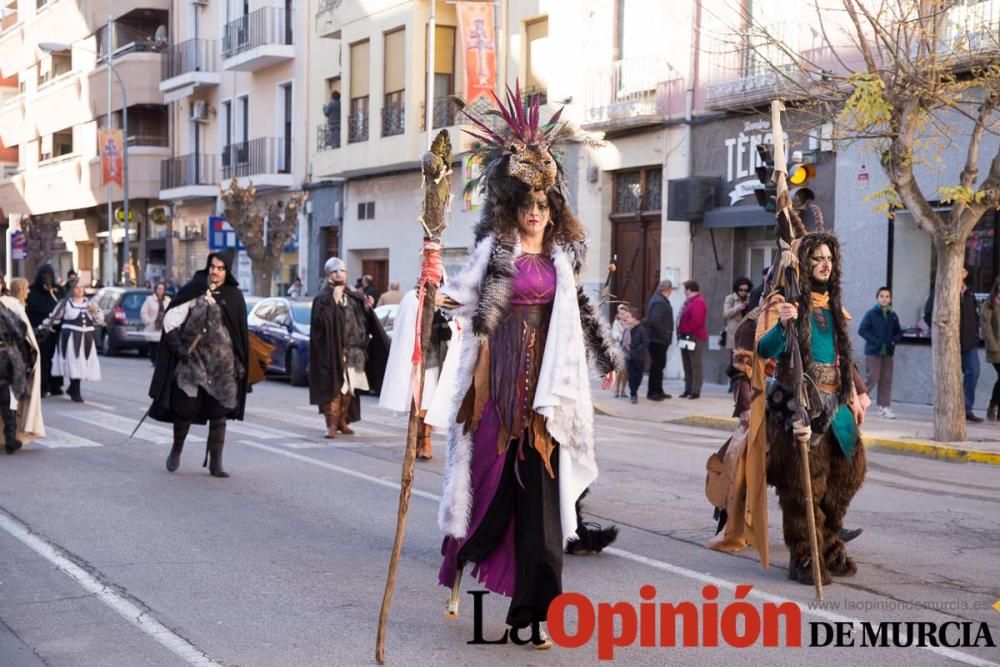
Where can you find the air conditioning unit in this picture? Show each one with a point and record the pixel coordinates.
(200, 3)
(199, 111)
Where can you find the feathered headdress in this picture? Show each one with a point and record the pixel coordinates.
(519, 145)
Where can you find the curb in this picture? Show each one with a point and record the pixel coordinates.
(905, 446)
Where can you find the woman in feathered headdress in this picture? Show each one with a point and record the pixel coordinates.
(521, 441)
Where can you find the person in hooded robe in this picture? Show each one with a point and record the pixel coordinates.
(20, 376)
(201, 368)
(347, 350)
(397, 384)
(44, 296)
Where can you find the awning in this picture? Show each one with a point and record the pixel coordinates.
(179, 94)
(747, 215)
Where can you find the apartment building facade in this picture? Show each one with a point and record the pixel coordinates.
(51, 105)
(234, 78)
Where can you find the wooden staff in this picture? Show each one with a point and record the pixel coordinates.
(786, 234)
(436, 167)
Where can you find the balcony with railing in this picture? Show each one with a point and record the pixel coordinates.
(327, 137)
(329, 18)
(189, 65)
(189, 176)
(393, 116)
(259, 39)
(267, 161)
(624, 93)
(444, 113)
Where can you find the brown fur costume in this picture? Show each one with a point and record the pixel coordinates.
(835, 478)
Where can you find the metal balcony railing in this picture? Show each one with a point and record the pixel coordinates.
(193, 55)
(187, 170)
(357, 120)
(264, 155)
(151, 140)
(444, 113)
(625, 89)
(328, 5)
(267, 25)
(327, 137)
(393, 116)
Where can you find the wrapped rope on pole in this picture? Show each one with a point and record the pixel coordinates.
(436, 168)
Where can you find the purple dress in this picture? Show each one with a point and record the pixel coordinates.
(515, 535)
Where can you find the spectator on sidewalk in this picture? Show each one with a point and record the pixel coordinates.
(968, 317)
(392, 297)
(881, 330)
(692, 335)
(617, 333)
(659, 325)
(991, 332)
(296, 290)
(734, 309)
(635, 342)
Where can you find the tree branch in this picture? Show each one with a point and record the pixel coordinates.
(899, 168)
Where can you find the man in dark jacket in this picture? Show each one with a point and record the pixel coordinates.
(201, 367)
(881, 330)
(346, 341)
(968, 316)
(43, 297)
(659, 325)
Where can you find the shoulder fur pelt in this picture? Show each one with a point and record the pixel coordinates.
(808, 244)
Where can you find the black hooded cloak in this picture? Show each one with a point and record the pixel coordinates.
(234, 316)
(41, 301)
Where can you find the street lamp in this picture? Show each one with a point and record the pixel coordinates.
(59, 47)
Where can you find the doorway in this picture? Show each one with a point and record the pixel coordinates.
(378, 269)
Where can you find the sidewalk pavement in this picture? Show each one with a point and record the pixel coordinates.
(911, 432)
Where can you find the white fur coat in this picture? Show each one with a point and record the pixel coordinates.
(562, 395)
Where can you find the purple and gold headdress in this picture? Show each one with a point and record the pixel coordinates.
(518, 147)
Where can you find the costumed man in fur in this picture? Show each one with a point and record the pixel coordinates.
(347, 350)
(521, 438)
(43, 297)
(764, 446)
(201, 367)
(20, 377)
(397, 385)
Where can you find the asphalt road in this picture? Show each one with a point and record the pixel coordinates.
(106, 559)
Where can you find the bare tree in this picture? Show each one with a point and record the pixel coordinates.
(40, 231)
(251, 220)
(907, 76)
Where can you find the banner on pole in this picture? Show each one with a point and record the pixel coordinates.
(112, 150)
(479, 48)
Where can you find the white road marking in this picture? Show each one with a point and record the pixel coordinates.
(642, 560)
(124, 425)
(56, 439)
(256, 431)
(130, 611)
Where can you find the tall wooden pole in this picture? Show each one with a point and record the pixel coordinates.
(436, 167)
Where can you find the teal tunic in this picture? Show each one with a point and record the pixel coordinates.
(824, 351)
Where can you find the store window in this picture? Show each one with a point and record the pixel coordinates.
(913, 268)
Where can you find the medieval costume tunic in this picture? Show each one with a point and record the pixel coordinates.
(347, 351)
(20, 379)
(76, 346)
(521, 447)
(43, 297)
(201, 367)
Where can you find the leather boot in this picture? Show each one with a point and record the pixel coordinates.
(180, 434)
(213, 453)
(10, 442)
(74, 391)
(345, 411)
(991, 412)
(332, 414)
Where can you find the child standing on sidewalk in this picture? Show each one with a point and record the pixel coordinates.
(881, 330)
(635, 341)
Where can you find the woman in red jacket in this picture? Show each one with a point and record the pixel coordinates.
(692, 336)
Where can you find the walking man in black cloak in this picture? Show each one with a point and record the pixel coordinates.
(201, 370)
(348, 349)
(43, 297)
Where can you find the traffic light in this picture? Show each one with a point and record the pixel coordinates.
(767, 193)
(799, 176)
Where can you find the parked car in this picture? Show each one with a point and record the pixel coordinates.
(251, 302)
(123, 328)
(284, 323)
(387, 315)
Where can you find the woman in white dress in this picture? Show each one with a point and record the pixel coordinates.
(76, 345)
